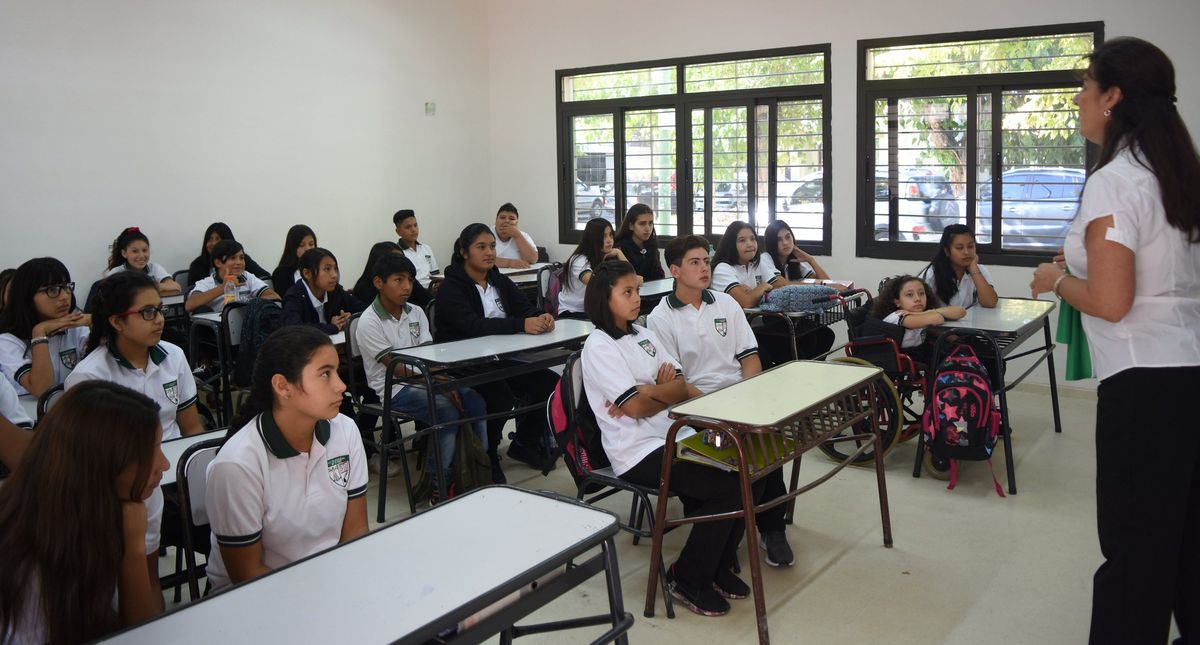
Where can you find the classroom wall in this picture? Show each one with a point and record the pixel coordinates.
(530, 39)
(261, 114)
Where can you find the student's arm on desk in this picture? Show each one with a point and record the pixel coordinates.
(747, 297)
(355, 522)
(244, 562)
(751, 365)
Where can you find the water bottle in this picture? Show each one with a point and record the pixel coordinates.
(231, 289)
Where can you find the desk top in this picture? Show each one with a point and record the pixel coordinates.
(215, 318)
(472, 349)
(403, 576)
(173, 449)
(774, 396)
(176, 299)
(531, 269)
(655, 288)
(1009, 316)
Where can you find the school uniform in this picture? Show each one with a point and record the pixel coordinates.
(10, 406)
(202, 266)
(167, 379)
(726, 276)
(301, 307)
(423, 259)
(249, 287)
(509, 250)
(912, 337)
(966, 295)
(282, 279)
(643, 258)
(794, 269)
(66, 350)
(365, 291)
(155, 271)
(261, 489)
(774, 338)
(570, 297)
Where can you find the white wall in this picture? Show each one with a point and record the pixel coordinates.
(530, 39)
(261, 114)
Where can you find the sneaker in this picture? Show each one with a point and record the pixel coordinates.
(779, 554)
(730, 586)
(497, 473)
(700, 600)
(393, 466)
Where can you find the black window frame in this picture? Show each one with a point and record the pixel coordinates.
(972, 86)
(683, 103)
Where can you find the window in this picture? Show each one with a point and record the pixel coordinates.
(704, 141)
(948, 121)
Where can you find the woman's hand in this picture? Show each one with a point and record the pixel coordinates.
(539, 324)
(666, 374)
(1044, 277)
(952, 312)
(340, 320)
(55, 325)
(133, 525)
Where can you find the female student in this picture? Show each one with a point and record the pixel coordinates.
(202, 265)
(131, 252)
(228, 259)
(299, 240)
(595, 246)
(42, 332)
(909, 302)
(955, 272)
(291, 478)
(317, 299)
(477, 300)
(630, 381)
(514, 247)
(365, 290)
(791, 261)
(5, 280)
(73, 520)
(638, 242)
(420, 254)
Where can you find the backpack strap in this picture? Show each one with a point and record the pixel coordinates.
(995, 482)
(954, 477)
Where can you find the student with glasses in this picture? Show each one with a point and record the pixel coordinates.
(42, 331)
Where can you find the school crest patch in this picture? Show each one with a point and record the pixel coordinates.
(722, 326)
(648, 346)
(500, 304)
(414, 330)
(171, 390)
(69, 357)
(339, 470)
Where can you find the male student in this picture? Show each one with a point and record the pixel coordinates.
(708, 333)
(514, 247)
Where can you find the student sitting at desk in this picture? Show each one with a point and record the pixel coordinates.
(317, 300)
(791, 261)
(595, 246)
(298, 241)
(909, 302)
(364, 289)
(228, 259)
(477, 300)
(955, 273)
(202, 265)
(42, 332)
(73, 520)
(631, 379)
(514, 248)
(638, 241)
(420, 254)
(709, 335)
(131, 252)
(291, 478)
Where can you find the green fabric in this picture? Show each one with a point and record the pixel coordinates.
(1070, 333)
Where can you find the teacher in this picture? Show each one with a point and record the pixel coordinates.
(1132, 259)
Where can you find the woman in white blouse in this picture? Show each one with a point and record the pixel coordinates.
(1132, 268)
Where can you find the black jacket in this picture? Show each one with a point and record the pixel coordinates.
(282, 279)
(298, 309)
(645, 261)
(198, 271)
(459, 309)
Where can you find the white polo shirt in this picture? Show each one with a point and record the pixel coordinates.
(709, 341)
(493, 304)
(379, 333)
(509, 250)
(167, 379)
(10, 405)
(612, 370)
(570, 298)
(912, 337)
(249, 286)
(261, 489)
(155, 271)
(422, 258)
(66, 350)
(726, 276)
(966, 295)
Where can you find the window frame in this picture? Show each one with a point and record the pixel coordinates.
(970, 86)
(683, 103)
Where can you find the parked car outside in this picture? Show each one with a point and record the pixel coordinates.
(593, 201)
(1036, 207)
(926, 205)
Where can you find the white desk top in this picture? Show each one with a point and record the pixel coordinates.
(176, 299)
(769, 398)
(211, 317)
(531, 269)
(470, 349)
(1008, 316)
(655, 288)
(401, 576)
(173, 449)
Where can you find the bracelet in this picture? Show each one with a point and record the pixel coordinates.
(1058, 282)
(38, 341)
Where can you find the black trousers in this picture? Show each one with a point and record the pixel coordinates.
(711, 546)
(775, 343)
(1148, 507)
(526, 389)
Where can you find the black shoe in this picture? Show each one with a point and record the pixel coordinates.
(497, 473)
(700, 600)
(730, 586)
(779, 554)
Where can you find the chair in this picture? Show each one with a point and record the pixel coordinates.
(543, 256)
(429, 315)
(181, 276)
(191, 478)
(47, 399)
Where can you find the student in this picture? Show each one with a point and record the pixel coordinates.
(638, 242)
(299, 240)
(131, 252)
(595, 246)
(955, 272)
(514, 247)
(228, 259)
(14, 426)
(477, 300)
(420, 254)
(42, 332)
(364, 289)
(291, 478)
(5, 280)
(202, 265)
(791, 261)
(909, 302)
(631, 379)
(708, 333)
(391, 324)
(73, 519)
(317, 300)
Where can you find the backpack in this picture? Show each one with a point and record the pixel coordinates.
(578, 438)
(961, 420)
(262, 317)
(553, 286)
(471, 466)
(798, 298)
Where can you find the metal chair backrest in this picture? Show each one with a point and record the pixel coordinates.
(191, 476)
(232, 316)
(430, 315)
(47, 399)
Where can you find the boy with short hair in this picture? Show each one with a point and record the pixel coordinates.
(514, 248)
(708, 333)
(419, 254)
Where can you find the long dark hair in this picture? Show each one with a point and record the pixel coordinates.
(771, 246)
(127, 237)
(223, 233)
(20, 315)
(591, 246)
(890, 292)
(295, 236)
(115, 295)
(1147, 120)
(61, 517)
(311, 262)
(599, 289)
(727, 248)
(624, 231)
(944, 282)
(364, 284)
(5, 278)
(286, 351)
(466, 238)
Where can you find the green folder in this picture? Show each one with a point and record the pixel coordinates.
(774, 447)
(1070, 333)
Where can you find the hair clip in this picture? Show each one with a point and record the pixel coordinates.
(132, 229)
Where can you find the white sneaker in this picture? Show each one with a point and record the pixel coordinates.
(393, 466)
